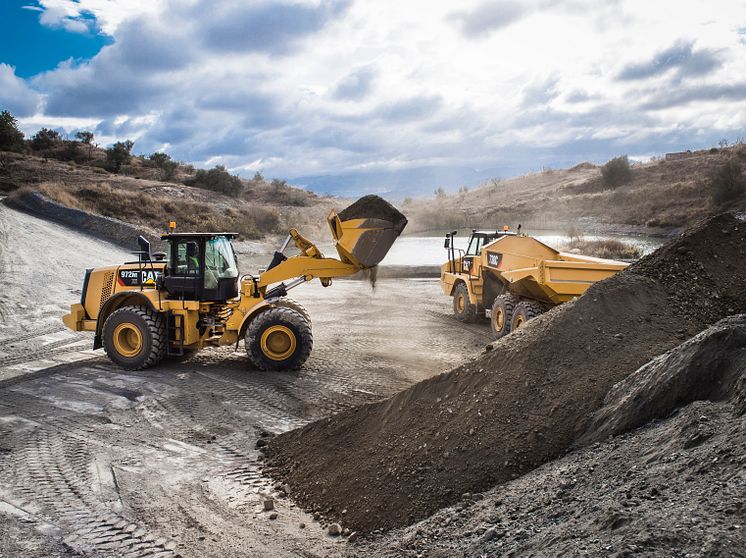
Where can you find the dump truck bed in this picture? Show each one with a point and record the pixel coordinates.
(534, 270)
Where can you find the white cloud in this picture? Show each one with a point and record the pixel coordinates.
(324, 87)
(15, 94)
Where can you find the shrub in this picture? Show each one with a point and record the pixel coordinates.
(610, 248)
(11, 138)
(166, 165)
(727, 182)
(119, 154)
(71, 152)
(283, 194)
(616, 172)
(45, 139)
(86, 138)
(218, 180)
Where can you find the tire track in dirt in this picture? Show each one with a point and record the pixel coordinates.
(51, 471)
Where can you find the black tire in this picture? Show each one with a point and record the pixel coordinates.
(526, 310)
(501, 317)
(295, 305)
(463, 309)
(279, 339)
(135, 337)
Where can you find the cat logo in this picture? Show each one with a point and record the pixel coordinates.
(466, 265)
(494, 259)
(138, 277)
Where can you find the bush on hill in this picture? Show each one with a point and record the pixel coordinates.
(118, 155)
(616, 172)
(166, 165)
(727, 182)
(11, 138)
(218, 180)
(45, 139)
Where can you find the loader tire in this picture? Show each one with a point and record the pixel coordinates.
(525, 310)
(279, 339)
(463, 309)
(501, 317)
(135, 337)
(295, 305)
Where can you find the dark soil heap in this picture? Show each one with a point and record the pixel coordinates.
(374, 207)
(391, 463)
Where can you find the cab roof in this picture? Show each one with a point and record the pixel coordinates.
(493, 233)
(228, 235)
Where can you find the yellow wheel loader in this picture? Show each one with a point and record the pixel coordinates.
(510, 277)
(189, 297)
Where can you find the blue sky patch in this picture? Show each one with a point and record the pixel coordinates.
(33, 48)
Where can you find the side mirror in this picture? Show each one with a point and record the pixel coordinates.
(447, 243)
(144, 245)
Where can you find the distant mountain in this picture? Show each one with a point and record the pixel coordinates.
(398, 185)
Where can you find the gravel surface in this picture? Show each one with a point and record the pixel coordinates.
(166, 462)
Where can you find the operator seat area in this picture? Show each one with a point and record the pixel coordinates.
(201, 266)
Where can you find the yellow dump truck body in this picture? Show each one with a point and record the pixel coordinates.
(525, 267)
(534, 270)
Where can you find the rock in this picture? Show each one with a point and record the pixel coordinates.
(260, 443)
(488, 535)
(345, 532)
(269, 504)
(353, 537)
(302, 525)
(316, 516)
(335, 529)
(273, 515)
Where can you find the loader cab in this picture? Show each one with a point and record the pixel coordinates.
(201, 266)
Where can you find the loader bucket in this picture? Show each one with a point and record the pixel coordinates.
(365, 231)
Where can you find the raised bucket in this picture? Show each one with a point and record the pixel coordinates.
(365, 231)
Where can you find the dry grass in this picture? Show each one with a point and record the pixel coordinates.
(610, 249)
(137, 207)
(667, 194)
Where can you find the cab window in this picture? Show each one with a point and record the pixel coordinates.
(220, 262)
(187, 257)
(476, 243)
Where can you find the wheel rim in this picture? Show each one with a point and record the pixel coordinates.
(460, 303)
(127, 340)
(278, 342)
(498, 319)
(518, 322)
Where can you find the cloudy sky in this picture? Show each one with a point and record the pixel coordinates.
(395, 96)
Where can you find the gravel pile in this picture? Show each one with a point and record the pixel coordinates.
(512, 409)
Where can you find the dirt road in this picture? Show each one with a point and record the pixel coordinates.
(98, 461)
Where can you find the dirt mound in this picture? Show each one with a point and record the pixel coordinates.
(707, 367)
(391, 463)
(672, 488)
(374, 207)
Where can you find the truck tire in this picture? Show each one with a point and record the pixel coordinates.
(463, 309)
(279, 339)
(525, 310)
(134, 337)
(295, 305)
(501, 317)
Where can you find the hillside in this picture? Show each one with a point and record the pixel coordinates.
(663, 196)
(139, 197)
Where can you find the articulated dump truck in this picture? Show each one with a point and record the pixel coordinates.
(509, 277)
(189, 297)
